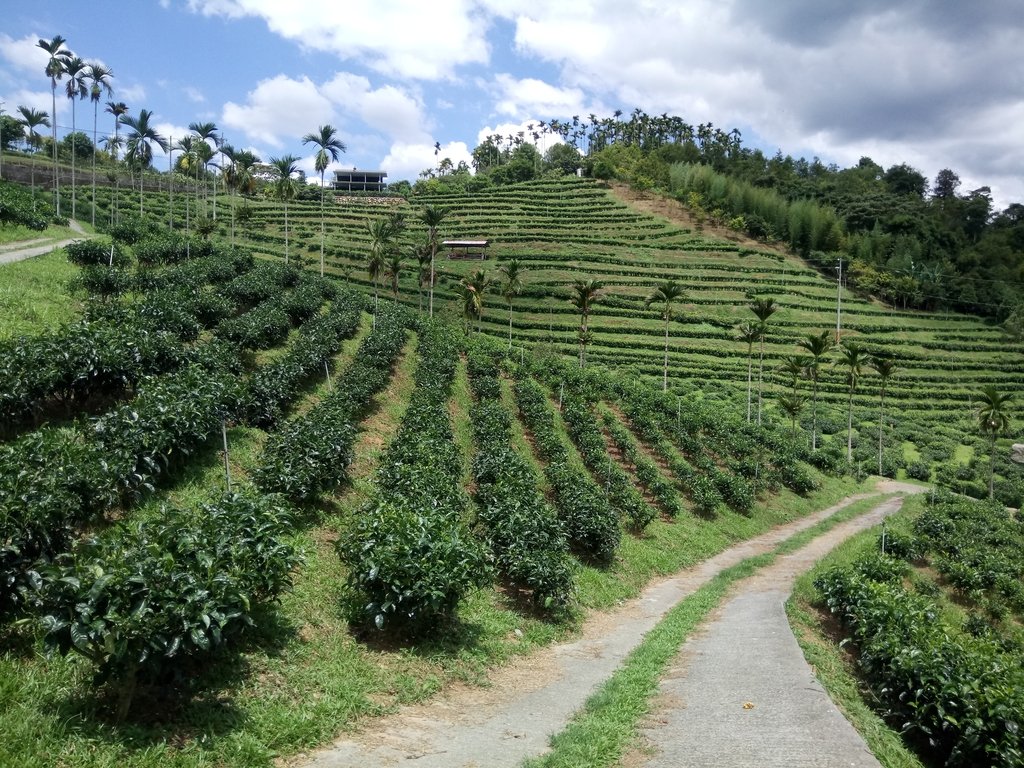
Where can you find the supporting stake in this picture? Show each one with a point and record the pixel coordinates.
(227, 465)
(327, 375)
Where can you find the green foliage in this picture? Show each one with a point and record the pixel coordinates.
(141, 596)
(18, 207)
(524, 533)
(97, 252)
(410, 556)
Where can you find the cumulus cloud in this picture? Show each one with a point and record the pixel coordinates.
(389, 110)
(23, 54)
(406, 161)
(424, 41)
(277, 108)
(519, 97)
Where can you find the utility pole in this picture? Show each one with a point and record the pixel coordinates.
(2, 140)
(839, 299)
(170, 180)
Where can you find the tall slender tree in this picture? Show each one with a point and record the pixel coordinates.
(748, 333)
(886, 368)
(854, 358)
(141, 138)
(207, 132)
(763, 309)
(187, 161)
(76, 69)
(59, 56)
(393, 270)
(993, 420)
(433, 216)
(513, 272)
(792, 405)
(99, 78)
(585, 294)
(330, 148)
(665, 294)
(480, 282)
(381, 245)
(32, 119)
(818, 347)
(118, 109)
(284, 187)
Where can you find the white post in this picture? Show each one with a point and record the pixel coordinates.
(227, 466)
(327, 375)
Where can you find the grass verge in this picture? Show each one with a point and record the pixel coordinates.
(35, 295)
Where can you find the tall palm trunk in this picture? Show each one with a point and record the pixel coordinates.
(849, 428)
(992, 466)
(510, 323)
(760, 379)
(664, 372)
(750, 368)
(56, 176)
(814, 415)
(881, 428)
(321, 223)
(95, 118)
(286, 233)
(73, 155)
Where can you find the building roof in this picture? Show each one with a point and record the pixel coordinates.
(465, 243)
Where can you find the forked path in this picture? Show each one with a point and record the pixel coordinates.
(533, 697)
(740, 692)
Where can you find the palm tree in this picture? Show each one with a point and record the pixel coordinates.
(118, 110)
(513, 271)
(748, 333)
(586, 294)
(207, 132)
(471, 302)
(421, 255)
(480, 282)
(32, 119)
(381, 245)
(187, 160)
(433, 216)
(231, 181)
(817, 346)
(284, 187)
(665, 294)
(792, 405)
(993, 420)
(854, 357)
(886, 369)
(140, 143)
(794, 366)
(393, 269)
(330, 148)
(762, 309)
(99, 75)
(75, 68)
(59, 56)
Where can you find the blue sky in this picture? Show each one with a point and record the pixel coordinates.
(936, 84)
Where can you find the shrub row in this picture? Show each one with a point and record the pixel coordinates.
(410, 554)
(590, 523)
(142, 596)
(959, 698)
(276, 385)
(523, 531)
(310, 454)
(67, 475)
(647, 471)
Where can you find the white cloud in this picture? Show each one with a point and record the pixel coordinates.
(132, 95)
(24, 54)
(412, 40)
(194, 94)
(387, 109)
(406, 161)
(277, 108)
(520, 97)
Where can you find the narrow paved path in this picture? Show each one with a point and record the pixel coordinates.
(740, 692)
(534, 697)
(26, 250)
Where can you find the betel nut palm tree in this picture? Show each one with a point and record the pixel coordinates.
(993, 420)
(59, 55)
(141, 138)
(585, 294)
(763, 309)
(433, 216)
(665, 294)
(817, 347)
(76, 69)
(382, 239)
(854, 358)
(32, 119)
(284, 187)
(886, 368)
(329, 147)
(99, 78)
(513, 272)
(118, 109)
(748, 333)
(207, 133)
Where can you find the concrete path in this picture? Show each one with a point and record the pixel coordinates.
(26, 249)
(534, 697)
(740, 692)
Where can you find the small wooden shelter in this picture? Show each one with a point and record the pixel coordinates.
(466, 249)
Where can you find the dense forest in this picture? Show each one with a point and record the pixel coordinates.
(909, 240)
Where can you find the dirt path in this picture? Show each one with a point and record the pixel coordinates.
(26, 250)
(534, 697)
(740, 692)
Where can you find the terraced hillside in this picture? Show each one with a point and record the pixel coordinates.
(569, 228)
